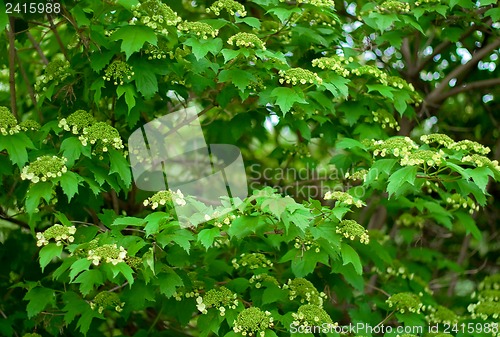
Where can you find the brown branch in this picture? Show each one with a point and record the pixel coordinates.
(438, 95)
(29, 87)
(36, 45)
(460, 260)
(471, 86)
(12, 66)
(53, 28)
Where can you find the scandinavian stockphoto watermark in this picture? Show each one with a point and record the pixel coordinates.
(170, 153)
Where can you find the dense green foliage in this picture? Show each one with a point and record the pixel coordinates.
(366, 130)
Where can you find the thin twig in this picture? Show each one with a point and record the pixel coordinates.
(39, 50)
(12, 66)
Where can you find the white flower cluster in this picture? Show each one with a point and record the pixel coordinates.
(43, 168)
(470, 146)
(102, 135)
(77, 122)
(296, 76)
(261, 278)
(309, 315)
(247, 40)
(110, 253)
(397, 146)
(220, 299)
(335, 63)
(162, 197)
(252, 261)
(304, 291)
(253, 321)
(423, 157)
(231, 6)
(219, 223)
(481, 161)
(8, 123)
(350, 229)
(343, 197)
(57, 232)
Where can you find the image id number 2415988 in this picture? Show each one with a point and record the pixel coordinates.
(48, 7)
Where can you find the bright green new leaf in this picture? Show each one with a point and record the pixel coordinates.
(49, 252)
(17, 146)
(133, 38)
(120, 166)
(88, 280)
(349, 255)
(69, 183)
(39, 298)
(207, 236)
(287, 97)
(397, 179)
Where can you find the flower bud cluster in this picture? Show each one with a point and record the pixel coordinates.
(201, 29)
(423, 157)
(56, 71)
(491, 282)
(263, 278)
(32, 335)
(253, 322)
(350, 229)
(43, 168)
(305, 291)
(335, 63)
(156, 15)
(410, 220)
(470, 146)
(430, 2)
(252, 261)
(440, 314)
(110, 253)
(77, 122)
(307, 242)
(405, 302)
(343, 197)
(438, 138)
(310, 315)
(396, 271)
(385, 119)
(397, 146)
(220, 222)
(29, 125)
(8, 123)
(246, 40)
(103, 136)
(485, 309)
(231, 6)
(117, 71)
(162, 197)
(107, 299)
(57, 232)
(394, 6)
(160, 51)
(481, 161)
(456, 201)
(317, 3)
(299, 76)
(372, 71)
(358, 175)
(220, 299)
(193, 291)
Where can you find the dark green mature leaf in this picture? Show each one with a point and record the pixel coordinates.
(78, 266)
(39, 298)
(16, 145)
(349, 255)
(398, 178)
(72, 148)
(120, 166)
(201, 47)
(133, 38)
(125, 270)
(37, 192)
(286, 98)
(470, 224)
(240, 78)
(88, 280)
(49, 252)
(69, 183)
(480, 176)
(168, 282)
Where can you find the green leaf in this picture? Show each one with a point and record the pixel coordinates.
(37, 192)
(286, 98)
(128, 221)
(244, 226)
(153, 221)
(383, 21)
(470, 225)
(301, 218)
(337, 86)
(494, 13)
(349, 255)
(382, 89)
(306, 264)
(201, 47)
(168, 281)
(487, 2)
(125, 270)
(71, 149)
(88, 280)
(39, 298)
(349, 143)
(397, 179)
(283, 13)
(48, 252)
(133, 38)
(77, 267)
(69, 183)
(480, 176)
(252, 22)
(240, 78)
(145, 79)
(277, 205)
(120, 166)
(16, 145)
(207, 236)
(129, 92)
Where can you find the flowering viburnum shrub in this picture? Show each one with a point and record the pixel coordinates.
(370, 143)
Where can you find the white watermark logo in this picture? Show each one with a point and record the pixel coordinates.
(170, 152)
